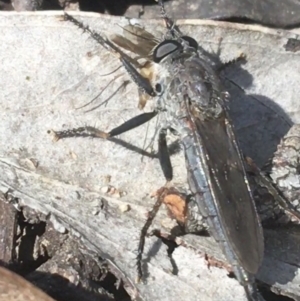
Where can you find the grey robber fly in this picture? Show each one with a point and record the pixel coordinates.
(191, 103)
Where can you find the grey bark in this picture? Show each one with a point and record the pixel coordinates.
(49, 68)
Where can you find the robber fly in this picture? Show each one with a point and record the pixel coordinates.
(190, 102)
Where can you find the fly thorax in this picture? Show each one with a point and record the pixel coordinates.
(212, 109)
(198, 88)
(162, 84)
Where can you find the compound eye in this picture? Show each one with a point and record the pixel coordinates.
(191, 42)
(158, 88)
(164, 49)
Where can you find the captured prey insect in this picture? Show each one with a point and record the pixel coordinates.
(190, 102)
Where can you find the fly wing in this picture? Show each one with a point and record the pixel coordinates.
(230, 190)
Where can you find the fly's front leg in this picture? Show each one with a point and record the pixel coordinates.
(178, 205)
(181, 206)
(165, 162)
(89, 131)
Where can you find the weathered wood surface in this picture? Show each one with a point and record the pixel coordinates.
(49, 68)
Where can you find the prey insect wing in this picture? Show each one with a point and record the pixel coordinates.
(139, 41)
(147, 71)
(127, 62)
(136, 40)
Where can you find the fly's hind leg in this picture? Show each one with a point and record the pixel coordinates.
(89, 131)
(136, 121)
(86, 131)
(269, 211)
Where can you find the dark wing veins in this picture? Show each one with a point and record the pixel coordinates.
(229, 187)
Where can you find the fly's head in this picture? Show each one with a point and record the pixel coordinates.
(180, 75)
(172, 51)
(175, 44)
(157, 58)
(186, 78)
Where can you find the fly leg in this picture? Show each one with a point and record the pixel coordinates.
(164, 156)
(151, 215)
(165, 162)
(89, 131)
(180, 207)
(126, 126)
(262, 180)
(241, 59)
